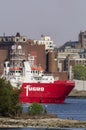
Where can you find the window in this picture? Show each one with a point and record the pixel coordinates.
(84, 36)
(17, 40)
(84, 56)
(80, 56)
(23, 39)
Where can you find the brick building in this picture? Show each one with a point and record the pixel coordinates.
(82, 39)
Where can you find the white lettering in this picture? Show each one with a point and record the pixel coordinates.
(38, 89)
(42, 89)
(29, 88)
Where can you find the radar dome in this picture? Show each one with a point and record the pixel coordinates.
(19, 47)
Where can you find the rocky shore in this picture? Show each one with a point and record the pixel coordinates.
(40, 123)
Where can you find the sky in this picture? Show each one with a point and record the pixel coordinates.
(62, 20)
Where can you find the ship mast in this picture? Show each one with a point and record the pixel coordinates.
(16, 56)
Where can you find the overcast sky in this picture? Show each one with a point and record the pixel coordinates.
(61, 19)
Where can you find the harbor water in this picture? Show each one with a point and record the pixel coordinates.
(74, 109)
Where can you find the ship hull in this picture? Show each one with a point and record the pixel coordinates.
(46, 92)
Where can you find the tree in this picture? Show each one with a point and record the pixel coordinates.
(9, 99)
(35, 109)
(79, 72)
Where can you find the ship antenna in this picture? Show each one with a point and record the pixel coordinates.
(4, 34)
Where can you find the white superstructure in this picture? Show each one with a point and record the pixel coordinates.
(19, 71)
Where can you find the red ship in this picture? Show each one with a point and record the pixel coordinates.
(46, 92)
(36, 86)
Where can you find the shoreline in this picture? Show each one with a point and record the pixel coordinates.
(40, 123)
(77, 94)
(44, 121)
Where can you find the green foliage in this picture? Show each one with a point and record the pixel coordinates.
(9, 99)
(35, 109)
(79, 72)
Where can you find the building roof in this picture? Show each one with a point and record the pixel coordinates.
(71, 44)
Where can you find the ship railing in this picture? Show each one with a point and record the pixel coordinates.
(17, 53)
(16, 59)
(48, 74)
